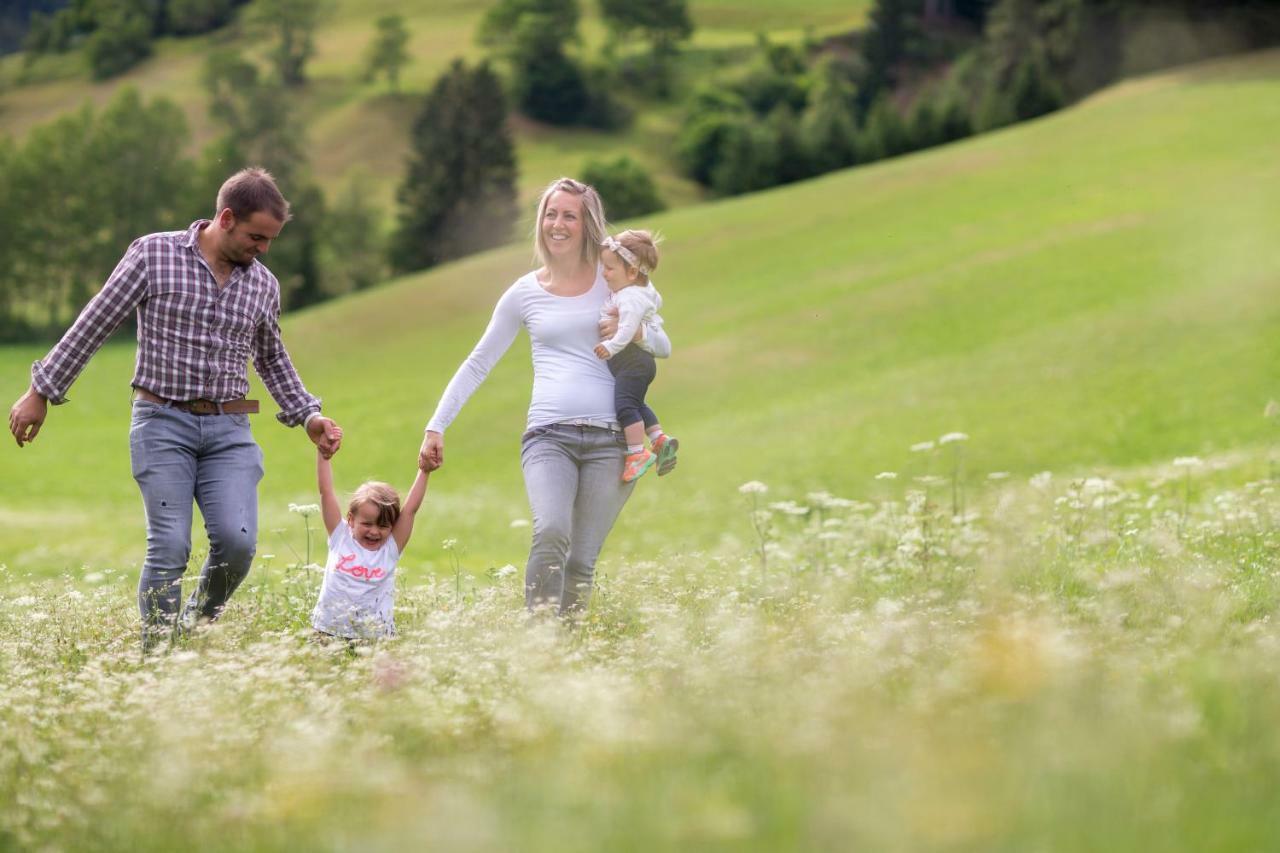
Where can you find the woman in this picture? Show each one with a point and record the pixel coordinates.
(572, 453)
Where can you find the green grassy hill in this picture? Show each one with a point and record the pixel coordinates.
(1096, 289)
(351, 124)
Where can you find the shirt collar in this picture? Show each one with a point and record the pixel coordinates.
(193, 232)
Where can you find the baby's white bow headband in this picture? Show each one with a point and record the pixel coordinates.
(623, 252)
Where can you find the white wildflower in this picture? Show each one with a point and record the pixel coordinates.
(449, 544)
(519, 522)
(94, 577)
(887, 607)
(1188, 462)
(922, 447)
(789, 508)
(304, 509)
(505, 571)
(952, 437)
(753, 487)
(1041, 481)
(998, 475)
(887, 475)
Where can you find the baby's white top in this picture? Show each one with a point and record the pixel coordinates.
(636, 306)
(569, 381)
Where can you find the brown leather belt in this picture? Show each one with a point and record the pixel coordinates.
(202, 407)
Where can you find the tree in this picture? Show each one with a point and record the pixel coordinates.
(892, 26)
(662, 23)
(121, 40)
(388, 53)
(293, 23)
(625, 187)
(548, 85)
(352, 247)
(828, 126)
(189, 17)
(500, 27)
(260, 131)
(459, 195)
(86, 186)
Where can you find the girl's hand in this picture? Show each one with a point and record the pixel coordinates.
(431, 454)
(602, 351)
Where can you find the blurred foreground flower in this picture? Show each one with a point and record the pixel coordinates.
(952, 437)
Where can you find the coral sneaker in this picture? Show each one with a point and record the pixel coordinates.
(637, 464)
(665, 447)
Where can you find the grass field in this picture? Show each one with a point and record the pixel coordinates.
(351, 125)
(1094, 289)
(1057, 633)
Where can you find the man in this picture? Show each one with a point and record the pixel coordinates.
(205, 305)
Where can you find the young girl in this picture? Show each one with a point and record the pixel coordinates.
(627, 260)
(358, 590)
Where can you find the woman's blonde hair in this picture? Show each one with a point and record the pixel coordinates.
(380, 495)
(595, 227)
(644, 246)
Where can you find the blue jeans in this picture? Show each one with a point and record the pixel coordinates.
(573, 475)
(178, 458)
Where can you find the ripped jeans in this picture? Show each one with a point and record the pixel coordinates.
(177, 458)
(573, 475)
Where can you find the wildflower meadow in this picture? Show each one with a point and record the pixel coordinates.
(1049, 662)
(972, 546)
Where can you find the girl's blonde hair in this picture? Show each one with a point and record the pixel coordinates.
(595, 227)
(644, 246)
(380, 495)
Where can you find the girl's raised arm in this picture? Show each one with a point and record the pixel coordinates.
(403, 528)
(330, 510)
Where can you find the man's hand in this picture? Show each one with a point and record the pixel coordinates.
(431, 455)
(602, 352)
(326, 434)
(27, 416)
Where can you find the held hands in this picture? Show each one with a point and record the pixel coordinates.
(326, 434)
(27, 416)
(602, 351)
(431, 455)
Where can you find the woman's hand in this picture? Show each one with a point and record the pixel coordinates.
(431, 456)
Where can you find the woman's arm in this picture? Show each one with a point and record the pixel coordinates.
(403, 528)
(330, 510)
(493, 344)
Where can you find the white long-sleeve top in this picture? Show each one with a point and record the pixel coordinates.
(569, 381)
(636, 306)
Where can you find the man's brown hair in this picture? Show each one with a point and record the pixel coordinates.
(251, 190)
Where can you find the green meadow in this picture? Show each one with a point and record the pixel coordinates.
(1090, 290)
(971, 546)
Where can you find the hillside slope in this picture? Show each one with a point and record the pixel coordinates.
(1095, 289)
(349, 124)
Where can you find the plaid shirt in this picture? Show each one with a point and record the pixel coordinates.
(194, 338)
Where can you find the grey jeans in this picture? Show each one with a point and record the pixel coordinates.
(573, 475)
(178, 458)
